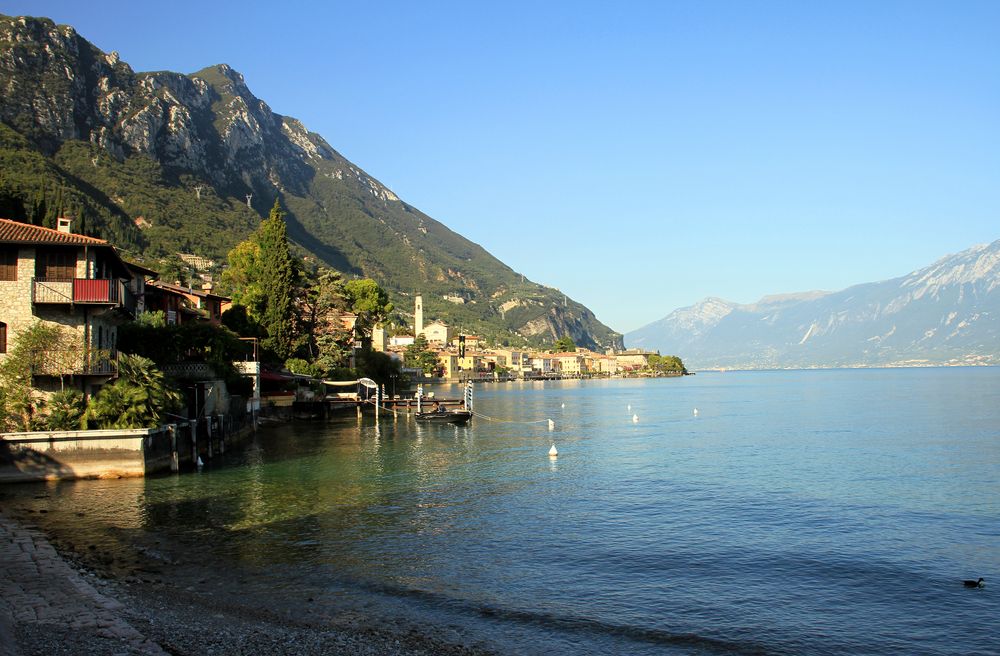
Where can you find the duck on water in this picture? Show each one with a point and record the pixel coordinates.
(969, 583)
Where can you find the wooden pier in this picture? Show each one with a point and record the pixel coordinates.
(331, 407)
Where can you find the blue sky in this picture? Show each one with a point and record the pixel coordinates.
(638, 156)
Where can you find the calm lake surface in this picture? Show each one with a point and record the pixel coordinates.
(807, 512)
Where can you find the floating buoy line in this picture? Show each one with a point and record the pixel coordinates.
(513, 421)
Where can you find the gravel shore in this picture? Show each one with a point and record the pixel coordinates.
(53, 603)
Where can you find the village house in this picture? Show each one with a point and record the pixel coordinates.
(604, 364)
(542, 364)
(471, 342)
(449, 366)
(569, 364)
(517, 361)
(179, 303)
(633, 360)
(473, 364)
(401, 341)
(437, 333)
(76, 282)
(455, 367)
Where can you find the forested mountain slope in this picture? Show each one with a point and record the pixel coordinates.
(162, 163)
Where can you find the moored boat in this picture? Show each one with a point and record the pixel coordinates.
(445, 417)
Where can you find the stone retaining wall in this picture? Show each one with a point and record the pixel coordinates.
(61, 455)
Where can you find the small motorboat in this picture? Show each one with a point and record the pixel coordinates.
(442, 416)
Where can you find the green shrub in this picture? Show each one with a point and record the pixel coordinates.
(139, 398)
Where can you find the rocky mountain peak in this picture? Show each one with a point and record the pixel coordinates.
(945, 313)
(979, 264)
(199, 159)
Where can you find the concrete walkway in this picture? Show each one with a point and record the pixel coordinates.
(44, 603)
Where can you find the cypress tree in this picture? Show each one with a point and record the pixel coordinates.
(277, 277)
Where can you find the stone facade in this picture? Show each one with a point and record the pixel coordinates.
(88, 301)
(15, 297)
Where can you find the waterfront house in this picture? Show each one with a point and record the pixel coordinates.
(448, 365)
(604, 364)
(73, 281)
(569, 364)
(542, 364)
(472, 365)
(517, 361)
(633, 360)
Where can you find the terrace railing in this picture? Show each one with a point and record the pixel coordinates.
(83, 291)
(74, 363)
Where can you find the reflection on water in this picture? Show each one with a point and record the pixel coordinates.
(873, 490)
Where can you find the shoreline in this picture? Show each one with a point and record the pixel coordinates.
(56, 601)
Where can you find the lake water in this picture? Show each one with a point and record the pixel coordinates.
(807, 512)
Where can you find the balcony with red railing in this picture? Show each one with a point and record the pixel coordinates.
(83, 291)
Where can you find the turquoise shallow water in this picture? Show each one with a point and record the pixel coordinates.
(811, 512)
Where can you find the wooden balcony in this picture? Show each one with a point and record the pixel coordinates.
(83, 291)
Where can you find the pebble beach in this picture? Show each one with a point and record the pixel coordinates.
(53, 603)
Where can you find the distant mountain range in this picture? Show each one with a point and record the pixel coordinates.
(946, 313)
(163, 164)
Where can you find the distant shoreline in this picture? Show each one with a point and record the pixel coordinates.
(846, 367)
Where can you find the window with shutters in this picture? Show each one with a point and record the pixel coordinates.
(55, 263)
(8, 262)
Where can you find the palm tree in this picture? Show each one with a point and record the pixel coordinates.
(138, 399)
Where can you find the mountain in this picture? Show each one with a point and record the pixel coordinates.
(946, 313)
(163, 164)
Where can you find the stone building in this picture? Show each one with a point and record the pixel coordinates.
(76, 282)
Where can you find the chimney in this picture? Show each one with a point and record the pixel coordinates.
(64, 224)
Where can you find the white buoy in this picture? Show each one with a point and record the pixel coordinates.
(630, 407)
(552, 425)
(635, 419)
(563, 405)
(552, 452)
(696, 412)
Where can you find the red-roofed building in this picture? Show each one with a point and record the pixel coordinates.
(74, 281)
(180, 303)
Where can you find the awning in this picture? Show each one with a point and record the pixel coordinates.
(367, 382)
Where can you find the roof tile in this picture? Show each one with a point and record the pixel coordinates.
(15, 232)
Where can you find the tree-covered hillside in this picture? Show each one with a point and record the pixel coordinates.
(162, 164)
